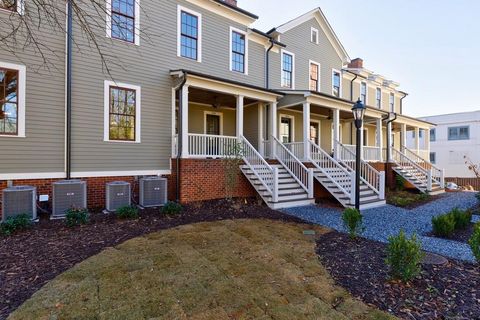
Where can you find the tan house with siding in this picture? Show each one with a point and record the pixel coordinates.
(176, 104)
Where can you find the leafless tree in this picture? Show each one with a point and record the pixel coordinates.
(475, 168)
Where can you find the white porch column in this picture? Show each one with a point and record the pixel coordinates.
(261, 147)
(380, 139)
(273, 128)
(184, 127)
(336, 133)
(390, 139)
(240, 116)
(427, 141)
(403, 129)
(306, 130)
(417, 140)
(362, 139)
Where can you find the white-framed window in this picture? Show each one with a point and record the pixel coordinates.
(378, 98)
(13, 6)
(392, 102)
(189, 29)
(314, 35)
(314, 72)
(433, 135)
(363, 92)
(238, 50)
(433, 157)
(12, 99)
(459, 133)
(286, 128)
(336, 83)
(123, 20)
(122, 112)
(288, 69)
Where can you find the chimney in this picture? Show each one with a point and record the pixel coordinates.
(231, 2)
(356, 64)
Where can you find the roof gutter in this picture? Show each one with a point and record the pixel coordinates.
(179, 140)
(68, 125)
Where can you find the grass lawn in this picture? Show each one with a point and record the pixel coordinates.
(242, 269)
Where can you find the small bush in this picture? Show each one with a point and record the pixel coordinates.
(474, 242)
(14, 224)
(127, 212)
(462, 218)
(404, 257)
(172, 208)
(353, 222)
(76, 217)
(443, 225)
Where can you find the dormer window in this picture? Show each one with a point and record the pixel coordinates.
(314, 36)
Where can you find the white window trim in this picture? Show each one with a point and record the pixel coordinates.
(366, 91)
(390, 105)
(312, 31)
(21, 105)
(310, 71)
(106, 115)
(232, 29)
(108, 20)
(179, 32)
(340, 73)
(282, 52)
(213, 113)
(292, 122)
(381, 97)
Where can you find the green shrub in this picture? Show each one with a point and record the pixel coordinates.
(172, 208)
(76, 217)
(443, 225)
(462, 218)
(127, 212)
(400, 182)
(404, 256)
(353, 222)
(14, 224)
(474, 242)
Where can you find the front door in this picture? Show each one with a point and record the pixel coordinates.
(212, 127)
(212, 124)
(314, 132)
(286, 130)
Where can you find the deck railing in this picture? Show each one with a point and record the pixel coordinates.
(210, 146)
(369, 153)
(297, 148)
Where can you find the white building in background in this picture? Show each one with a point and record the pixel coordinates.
(455, 137)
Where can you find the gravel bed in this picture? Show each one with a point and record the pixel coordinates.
(381, 223)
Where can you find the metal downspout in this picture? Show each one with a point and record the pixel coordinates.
(179, 140)
(267, 65)
(68, 134)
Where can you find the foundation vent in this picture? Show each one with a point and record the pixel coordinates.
(68, 194)
(153, 191)
(118, 195)
(19, 200)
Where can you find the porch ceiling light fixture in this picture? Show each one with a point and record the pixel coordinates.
(358, 111)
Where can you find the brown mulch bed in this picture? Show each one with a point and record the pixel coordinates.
(450, 291)
(31, 258)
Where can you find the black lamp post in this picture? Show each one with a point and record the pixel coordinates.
(358, 111)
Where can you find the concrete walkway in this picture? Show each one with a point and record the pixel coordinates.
(381, 223)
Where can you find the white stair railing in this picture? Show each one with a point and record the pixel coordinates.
(438, 174)
(368, 174)
(412, 167)
(302, 174)
(297, 148)
(342, 178)
(265, 173)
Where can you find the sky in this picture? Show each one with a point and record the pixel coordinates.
(431, 47)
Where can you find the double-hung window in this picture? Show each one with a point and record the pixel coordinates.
(123, 20)
(363, 93)
(287, 70)
(190, 31)
(314, 76)
(12, 100)
(392, 102)
(433, 135)
(378, 99)
(238, 51)
(459, 133)
(122, 112)
(433, 157)
(336, 83)
(314, 35)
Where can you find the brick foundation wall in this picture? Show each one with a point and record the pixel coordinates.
(204, 179)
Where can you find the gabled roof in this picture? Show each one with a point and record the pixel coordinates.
(324, 24)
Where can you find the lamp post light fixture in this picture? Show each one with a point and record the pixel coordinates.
(358, 111)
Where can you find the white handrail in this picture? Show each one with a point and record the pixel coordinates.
(343, 179)
(418, 172)
(368, 174)
(295, 167)
(437, 173)
(265, 173)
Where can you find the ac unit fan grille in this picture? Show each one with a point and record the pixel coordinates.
(153, 192)
(19, 200)
(118, 195)
(67, 195)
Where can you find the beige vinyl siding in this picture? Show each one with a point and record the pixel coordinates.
(196, 119)
(42, 150)
(250, 124)
(298, 42)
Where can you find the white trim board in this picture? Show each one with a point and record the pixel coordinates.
(95, 174)
(33, 176)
